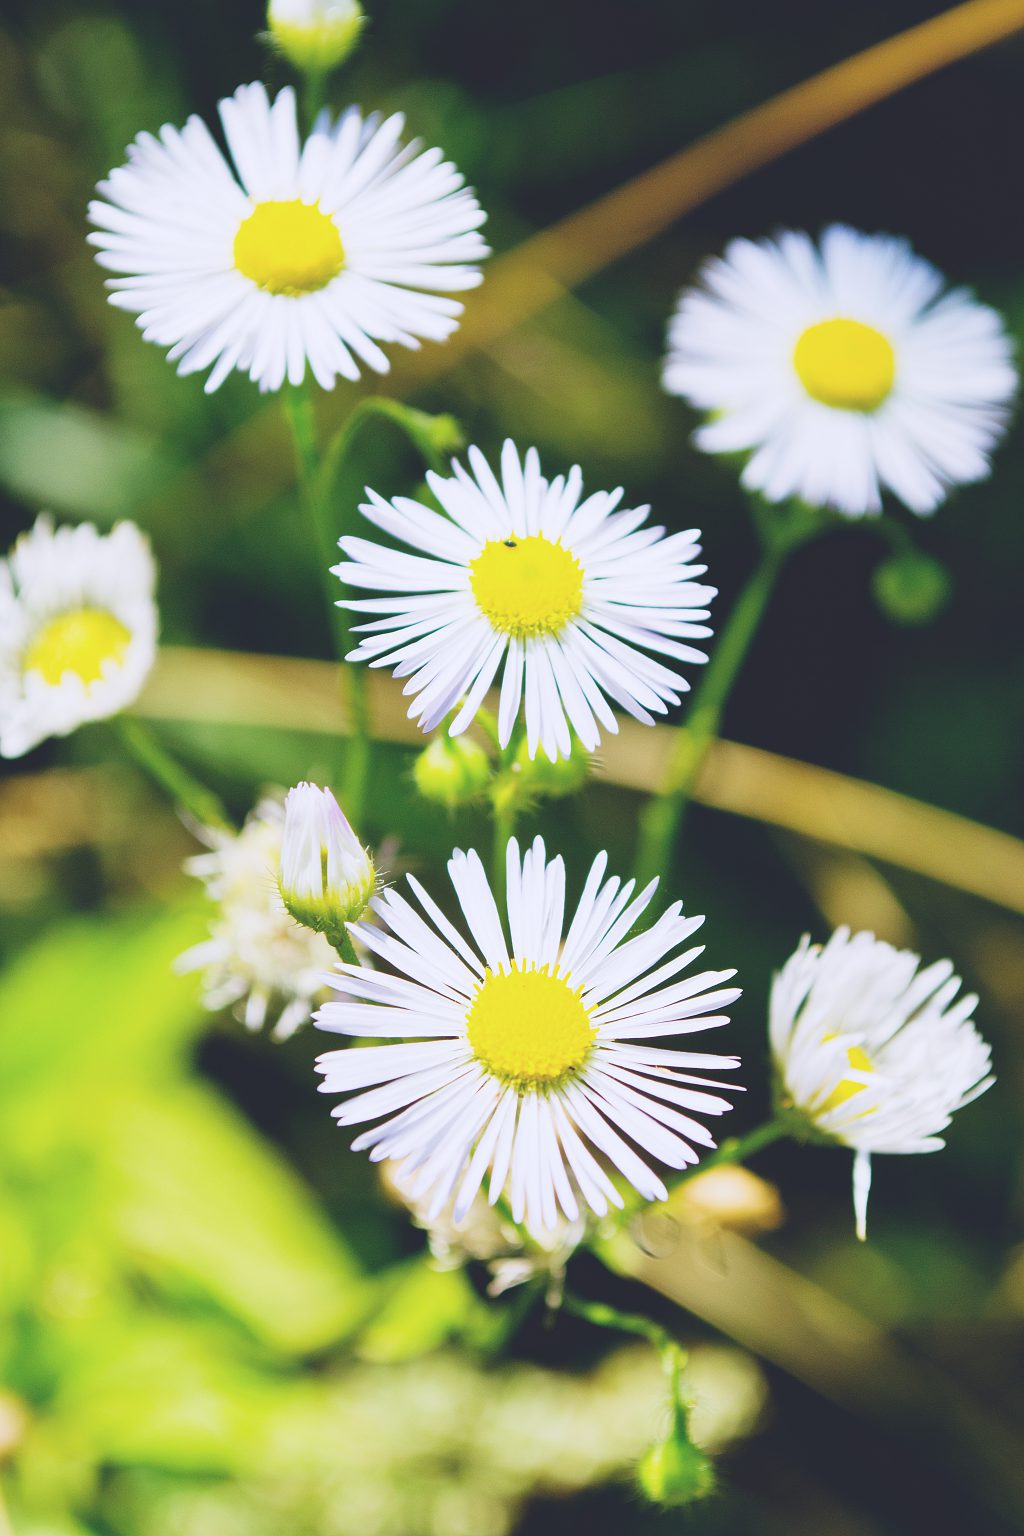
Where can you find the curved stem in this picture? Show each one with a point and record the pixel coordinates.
(298, 409)
(187, 791)
(736, 1149)
(781, 529)
(601, 1315)
(662, 818)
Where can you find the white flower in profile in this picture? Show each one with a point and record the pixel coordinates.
(327, 876)
(873, 1052)
(523, 1058)
(309, 256)
(257, 960)
(78, 628)
(562, 594)
(315, 35)
(843, 369)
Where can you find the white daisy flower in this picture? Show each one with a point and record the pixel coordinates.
(565, 594)
(78, 628)
(303, 254)
(871, 1051)
(844, 369)
(327, 876)
(520, 1057)
(258, 960)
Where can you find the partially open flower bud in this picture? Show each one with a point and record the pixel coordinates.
(315, 35)
(451, 771)
(327, 877)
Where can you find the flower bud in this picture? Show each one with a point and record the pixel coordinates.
(451, 771)
(315, 35)
(675, 1472)
(327, 877)
(540, 776)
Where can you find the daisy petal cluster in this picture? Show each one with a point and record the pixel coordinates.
(561, 594)
(293, 255)
(872, 1051)
(78, 628)
(843, 369)
(258, 960)
(525, 1052)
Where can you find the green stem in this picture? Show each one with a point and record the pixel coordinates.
(662, 817)
(781, 529)
(737, 1149)
(601, 1315)
(299, 413)
(179, 782)
(346, 949)
(504, 826)
(506, 803)
(734, 1150)
(314, 96)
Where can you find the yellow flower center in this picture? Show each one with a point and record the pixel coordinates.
(529, 1027)
(845, 364)
(529, 586)
(290, 248)
(848, 1089)
(80, 641)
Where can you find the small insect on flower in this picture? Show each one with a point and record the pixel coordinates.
(78, 628)
(327, 876)
(843, 369)
(871, 1051)
(563, 594)
(257, 961)
(315, 35)
(520, 1058)
(314, 254)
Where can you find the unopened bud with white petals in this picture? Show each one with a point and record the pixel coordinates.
(315, 35)
(327, 877)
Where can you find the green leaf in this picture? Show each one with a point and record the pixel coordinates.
(96, 999)
(75, 461)
(206, 1208)
(424, 1308)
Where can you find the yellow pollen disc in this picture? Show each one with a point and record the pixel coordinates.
(845, 364)
(848, 1089)
(528, 1026)
(80, 642)
(529, 586)
(290, 248)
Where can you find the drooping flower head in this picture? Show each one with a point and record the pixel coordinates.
(843, 369)
(526, 1051)
(78, 627)
(303, 254)
(562, 594)
(258, 960)
(872, 1051)
(327, 876)
(315, 35)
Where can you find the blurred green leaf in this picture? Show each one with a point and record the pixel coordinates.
(95, 1000)
(206, 1206)
(65, 458)
(424, 1308)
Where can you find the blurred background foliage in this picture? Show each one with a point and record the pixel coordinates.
(211, 1320)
